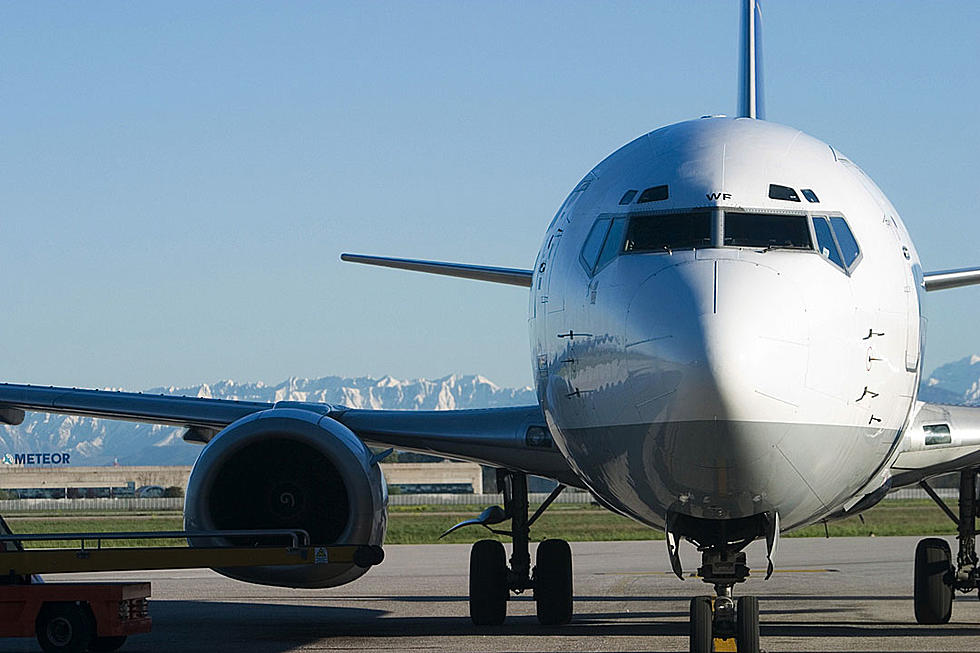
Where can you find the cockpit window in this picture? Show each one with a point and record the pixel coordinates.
(653, 194)
(777, 192)
(825, 241)
(664, 233)
(765, 230)
(628, 233)
(628, 196)
(614, 242)
(848, 245)
(593, 243)
(810, 195)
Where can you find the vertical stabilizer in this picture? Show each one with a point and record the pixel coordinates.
(750, 89)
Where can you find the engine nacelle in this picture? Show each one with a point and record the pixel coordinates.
(289, 468)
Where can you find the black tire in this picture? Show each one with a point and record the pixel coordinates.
(702, 638)
(933, 594)
(553, 594)
(747, 625)
(106, 644)
(488, 583)
(64, 627)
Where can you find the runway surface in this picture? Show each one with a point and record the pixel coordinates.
(843, 594)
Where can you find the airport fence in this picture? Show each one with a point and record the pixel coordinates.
(480, 499)
(177, 504)
(92, 505)
(919, 493)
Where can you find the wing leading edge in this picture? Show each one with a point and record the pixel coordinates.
(509, 276)
(513, 437)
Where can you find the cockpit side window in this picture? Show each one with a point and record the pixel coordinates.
(593, 243)
(665, 233)
(653, 194)
(614, 242)
(848, 245)
(766, 230)
(825, 241)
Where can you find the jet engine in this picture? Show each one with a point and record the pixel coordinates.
(288, 468)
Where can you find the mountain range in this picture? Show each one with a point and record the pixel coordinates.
(103, 442)
(954, 383)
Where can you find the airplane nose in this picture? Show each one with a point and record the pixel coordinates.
(716, 353)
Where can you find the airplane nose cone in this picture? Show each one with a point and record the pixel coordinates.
(716, 354)
(733, 334)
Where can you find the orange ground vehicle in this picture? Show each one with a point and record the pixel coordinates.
(97, 617)
(75, 617)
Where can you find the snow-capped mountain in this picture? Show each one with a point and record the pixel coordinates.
(954, 383)
(100, 441)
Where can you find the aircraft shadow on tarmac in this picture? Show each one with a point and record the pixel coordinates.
(275, 628)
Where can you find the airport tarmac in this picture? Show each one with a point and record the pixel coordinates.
(841, 594)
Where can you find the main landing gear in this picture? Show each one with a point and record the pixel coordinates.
(492, 580)
(723, 565)
(935, 576)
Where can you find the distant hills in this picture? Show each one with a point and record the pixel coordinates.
(953, 383)
(101, 442)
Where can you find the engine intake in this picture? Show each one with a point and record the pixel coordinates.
(288, 468)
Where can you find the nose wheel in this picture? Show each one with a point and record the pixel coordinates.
(721, 621)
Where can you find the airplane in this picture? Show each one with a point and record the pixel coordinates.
(726, 338)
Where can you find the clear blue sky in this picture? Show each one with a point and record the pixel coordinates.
(178, 179)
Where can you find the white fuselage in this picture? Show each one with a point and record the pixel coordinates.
(720, 381)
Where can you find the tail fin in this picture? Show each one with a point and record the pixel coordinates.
(750, 88)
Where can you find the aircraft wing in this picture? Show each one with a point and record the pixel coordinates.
(512, 437)
(941, 439)
(945, 279)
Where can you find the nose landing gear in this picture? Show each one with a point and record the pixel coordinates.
(721, 617)
(721, 622)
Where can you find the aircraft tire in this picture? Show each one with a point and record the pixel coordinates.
(932, 593)
(488, 583)
(747, 625)
(702, 638)
(553, 594)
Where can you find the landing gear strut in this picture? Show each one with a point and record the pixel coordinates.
(723, 565)
(491, 580)
(721, 617)
(935, 576)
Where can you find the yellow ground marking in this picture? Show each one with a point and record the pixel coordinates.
(727, 645)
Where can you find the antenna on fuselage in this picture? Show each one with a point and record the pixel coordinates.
(750, 89)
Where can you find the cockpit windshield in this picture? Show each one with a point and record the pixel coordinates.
(667, 232)
(767, 230)
(637, 233)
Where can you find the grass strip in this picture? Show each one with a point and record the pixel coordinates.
(573, 522)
